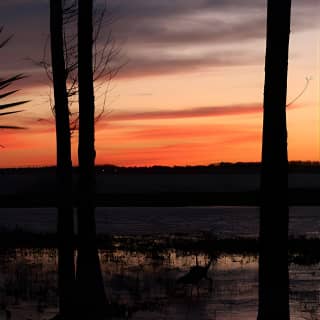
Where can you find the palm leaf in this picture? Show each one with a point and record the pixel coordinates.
(6, 82)
(9, 112)
(12, 127)
(5, 41)
(8, 94)
(13, 104)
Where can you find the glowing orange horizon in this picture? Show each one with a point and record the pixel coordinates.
(177, 141)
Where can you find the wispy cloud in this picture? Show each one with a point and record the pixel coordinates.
(187, 113)
(146, 30)
(141, 65)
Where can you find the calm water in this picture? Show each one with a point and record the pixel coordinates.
(145, 286)
(221, 221)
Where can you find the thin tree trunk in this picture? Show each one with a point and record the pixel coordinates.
(89, 277)
(274, 212)
(66, 269)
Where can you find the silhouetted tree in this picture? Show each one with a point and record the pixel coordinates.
(66, 269)
(104, 56)
(274, 212)
(92, 297)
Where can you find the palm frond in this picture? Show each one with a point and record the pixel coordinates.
(8, 94)
(12, 127)
(12, 104)
(6, 82)
(9, 112)
(6, 40)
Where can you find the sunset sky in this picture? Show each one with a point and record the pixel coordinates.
(190, 91)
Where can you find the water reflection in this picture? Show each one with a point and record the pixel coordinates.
(144, 285)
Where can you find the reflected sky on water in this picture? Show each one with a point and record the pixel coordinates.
(144, 286)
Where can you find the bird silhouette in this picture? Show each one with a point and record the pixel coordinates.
(195, 275)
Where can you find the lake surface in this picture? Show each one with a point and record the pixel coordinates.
(144, 287)
(220, 221)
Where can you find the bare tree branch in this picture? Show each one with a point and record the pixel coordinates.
(105, 52)
(308, 79)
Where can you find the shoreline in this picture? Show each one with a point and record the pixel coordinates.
(296, 197)
(302, 251)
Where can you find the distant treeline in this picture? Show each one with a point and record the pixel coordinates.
(222, 167)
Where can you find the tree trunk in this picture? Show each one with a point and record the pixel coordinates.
(274, 212)
(89, 277)
(66, 268)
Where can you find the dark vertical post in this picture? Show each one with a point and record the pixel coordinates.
(66, 268)
(274, 212)
(89, 277)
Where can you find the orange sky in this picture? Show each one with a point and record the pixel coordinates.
(176, 101)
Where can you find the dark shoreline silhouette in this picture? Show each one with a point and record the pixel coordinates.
(222, 167)
(223, 184)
